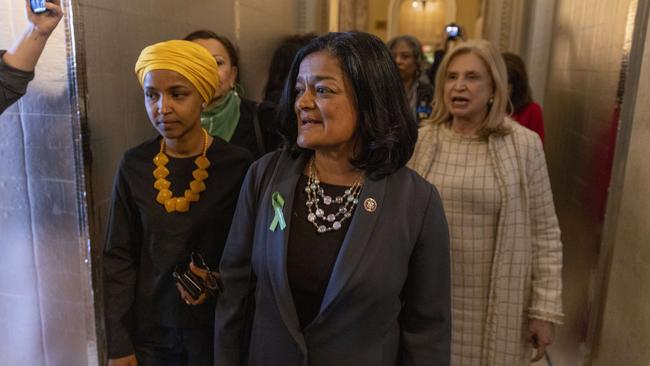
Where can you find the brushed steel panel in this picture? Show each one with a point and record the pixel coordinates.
(588, 66)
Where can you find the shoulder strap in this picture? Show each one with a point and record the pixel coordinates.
(258, 131)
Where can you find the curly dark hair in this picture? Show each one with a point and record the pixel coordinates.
(387, 130)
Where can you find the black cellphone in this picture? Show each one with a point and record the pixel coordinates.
(38, 6)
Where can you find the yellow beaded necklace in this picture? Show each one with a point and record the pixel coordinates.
(165, 196)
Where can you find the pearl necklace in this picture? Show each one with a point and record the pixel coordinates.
(316, 194)
(165, 196)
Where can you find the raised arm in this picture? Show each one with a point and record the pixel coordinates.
(26, 50)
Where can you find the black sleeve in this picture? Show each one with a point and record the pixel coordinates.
(13, 83)
(425, 320)
(120, 262)
(235, 307)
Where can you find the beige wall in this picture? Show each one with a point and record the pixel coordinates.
(625, 333)
(262, 24)
(378, 12)
(467, 12)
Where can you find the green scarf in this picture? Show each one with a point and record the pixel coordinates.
(222, 119)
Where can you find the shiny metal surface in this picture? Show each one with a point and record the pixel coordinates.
(588, 65)
(46, 311)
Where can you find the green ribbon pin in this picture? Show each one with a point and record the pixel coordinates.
(278, 202)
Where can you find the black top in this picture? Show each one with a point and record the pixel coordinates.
(13, 83)
(310, 255)
(144, 243)
(245, 135)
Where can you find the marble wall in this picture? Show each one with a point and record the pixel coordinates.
(46, 312)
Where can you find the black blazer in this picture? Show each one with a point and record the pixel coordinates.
(388, 298)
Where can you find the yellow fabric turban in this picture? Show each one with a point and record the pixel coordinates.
(189, 59)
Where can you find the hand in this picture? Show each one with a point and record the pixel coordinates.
(185, 296)
(129, 360)
(44, 23)
(541, 334)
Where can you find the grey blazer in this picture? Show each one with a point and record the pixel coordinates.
(388, 298)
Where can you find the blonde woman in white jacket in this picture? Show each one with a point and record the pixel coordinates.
(505, 238)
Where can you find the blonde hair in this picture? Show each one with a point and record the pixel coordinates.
(495, 121)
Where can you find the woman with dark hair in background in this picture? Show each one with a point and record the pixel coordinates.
(505, 238)
(278, 71)
(173, 195)
(338, 254)
(228, 115)
(281, 64)
(407, 53)
(523, 109)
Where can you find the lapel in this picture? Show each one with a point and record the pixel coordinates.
(285, 183)
(355, 242)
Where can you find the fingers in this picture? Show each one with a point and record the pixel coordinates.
(188, 299)
(54, 8)
(199, 271)
(541, 351)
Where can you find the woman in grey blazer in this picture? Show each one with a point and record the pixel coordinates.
(338, 254)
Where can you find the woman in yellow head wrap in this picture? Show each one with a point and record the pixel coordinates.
(173, 196)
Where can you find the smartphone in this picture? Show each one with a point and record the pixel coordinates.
(38, 6)
(452, 31)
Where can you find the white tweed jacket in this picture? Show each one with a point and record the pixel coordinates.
(526, 278)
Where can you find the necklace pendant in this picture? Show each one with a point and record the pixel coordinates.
(182, 205)
(160, 172)
(160, 159)
(327, 200)
(163, 196)
(200, 174)
(170, 205)
(161, 184)
(202, 162)
(197, 186)
(191, 196)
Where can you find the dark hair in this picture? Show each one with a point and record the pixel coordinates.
(233, 53)
(386, 126)
(415, 46)
(281, 63)
(520, 95)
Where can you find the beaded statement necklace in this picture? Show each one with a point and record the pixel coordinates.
(165, 196)
(315, 195)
